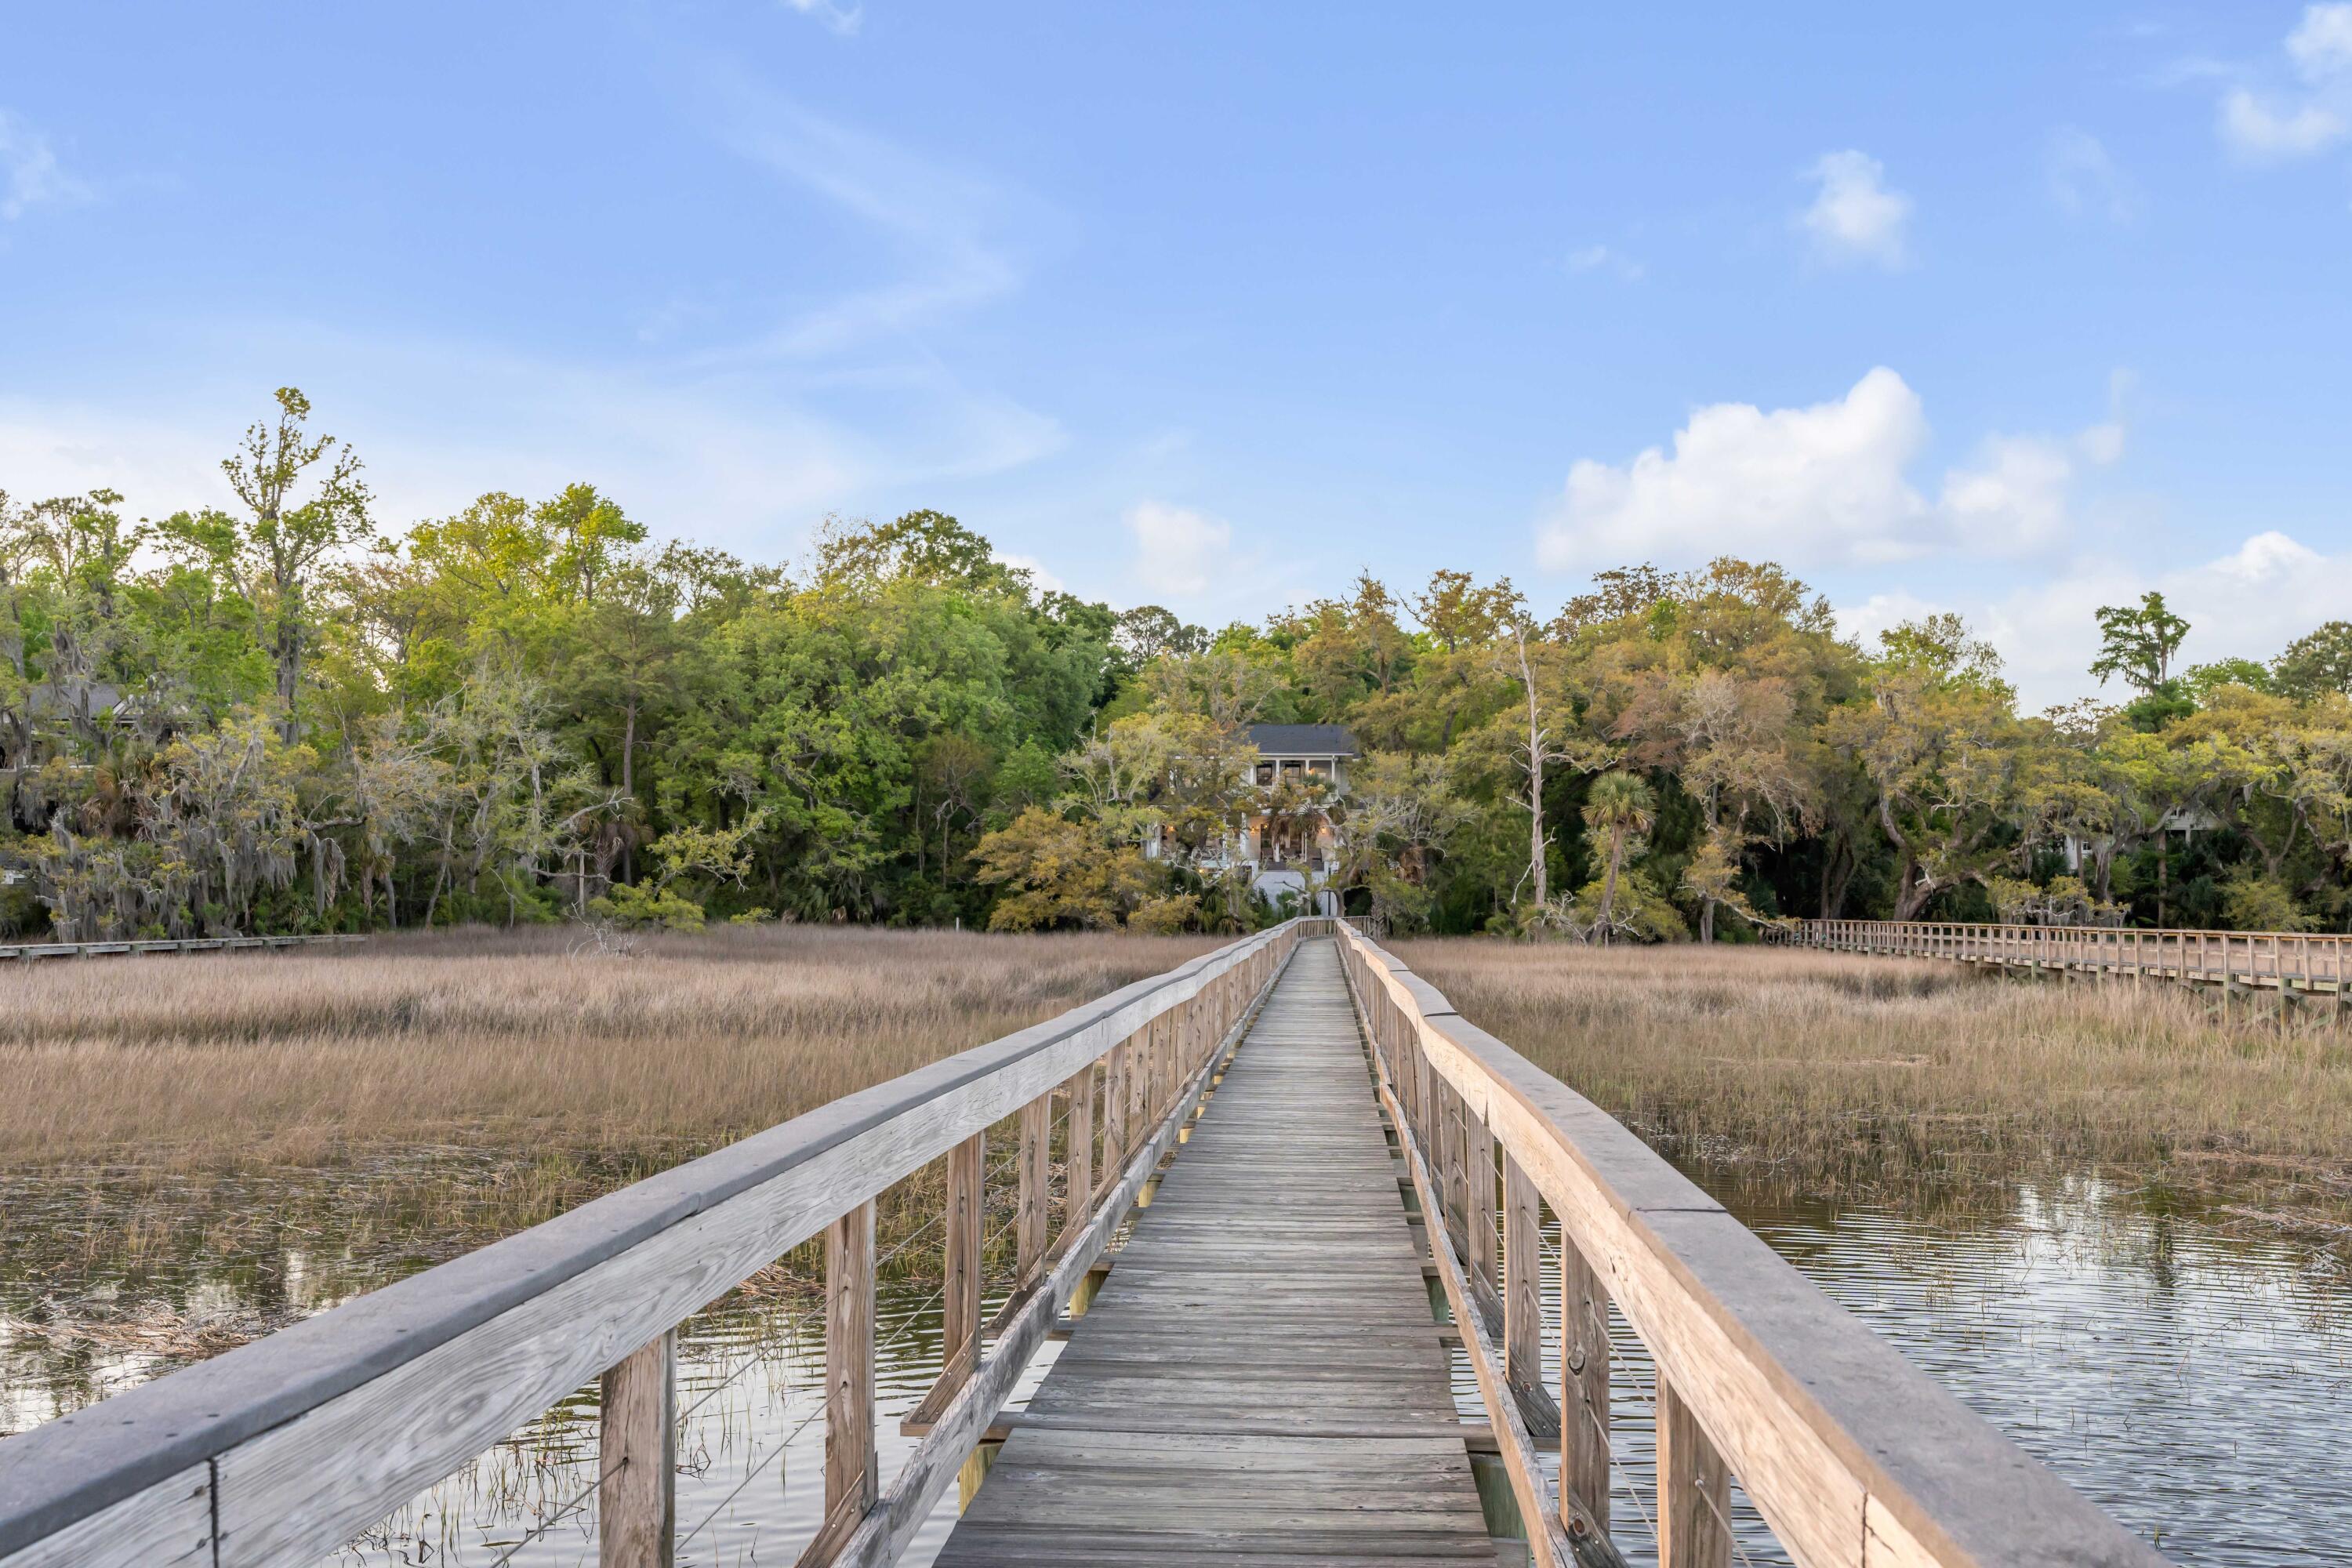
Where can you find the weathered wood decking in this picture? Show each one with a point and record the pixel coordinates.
(1261, 1378)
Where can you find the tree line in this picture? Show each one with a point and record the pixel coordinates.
(277, 716)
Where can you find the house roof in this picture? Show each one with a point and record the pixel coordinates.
(1303, 740)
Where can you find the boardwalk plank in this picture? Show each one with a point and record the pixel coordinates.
(1260, 1379)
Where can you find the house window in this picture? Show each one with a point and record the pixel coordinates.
(1266, 773)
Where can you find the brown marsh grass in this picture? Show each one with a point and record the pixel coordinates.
(1840, 1073)
(537, 1037)
(197, 1149)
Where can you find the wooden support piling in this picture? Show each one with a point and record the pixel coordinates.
(852, 1474)
(636, 1459)
(1694, 1490)
(1034, 1164)
(1523, 1290)
(1080, 1152)
(1583, 1391)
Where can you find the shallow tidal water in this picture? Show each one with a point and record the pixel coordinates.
(2194, 1382)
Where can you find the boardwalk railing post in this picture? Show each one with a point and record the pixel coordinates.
(1483, 1159)
(1081, 1150)
(852, 1475)
(1583, 1391)
(1694, 1490)
(1115, 1107)
(962, 1267)
(1522, 1290)
(637, 1459)
(1034, 1162)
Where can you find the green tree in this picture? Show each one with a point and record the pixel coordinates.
(273, 555)
(1621, 807)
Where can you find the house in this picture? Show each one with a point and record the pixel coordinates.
(2188, 821)
(1284, 838)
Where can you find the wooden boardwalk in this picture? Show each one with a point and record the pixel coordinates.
(1260, 1379)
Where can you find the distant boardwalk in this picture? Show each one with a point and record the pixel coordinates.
(1260, 1377)
(2295, 967)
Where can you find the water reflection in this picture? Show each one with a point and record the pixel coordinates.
(2191, 1380)
(751, 1482)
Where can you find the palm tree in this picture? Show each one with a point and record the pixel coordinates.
(1621, 806)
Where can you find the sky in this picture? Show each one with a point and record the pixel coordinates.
(2009, 310)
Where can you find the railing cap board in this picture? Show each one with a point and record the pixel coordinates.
(68, 1468)
(1930, 1465)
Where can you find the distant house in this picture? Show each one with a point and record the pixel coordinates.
(1293, 850)
(2188, 821)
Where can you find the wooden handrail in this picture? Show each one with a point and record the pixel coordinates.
(30, 950)
(1855, 1457)
(2293, 962)
(281, 1450)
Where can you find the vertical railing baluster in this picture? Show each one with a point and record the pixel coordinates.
(1035, 1162)
(852, 1475)
(1693, 1490)
(1080, 1157)
(1483, 1160)
(636, 1458)
(1583, 1390)
(963, 1266)
(1114, 1108)
(1522, 1288)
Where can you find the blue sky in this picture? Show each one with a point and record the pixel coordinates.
(2013, 310)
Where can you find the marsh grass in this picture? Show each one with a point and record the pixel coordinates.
(195, 1149)
(1840, 1075)
(499, 1038)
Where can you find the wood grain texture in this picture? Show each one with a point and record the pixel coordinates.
(1523, 1288)
(637, 1459)
(1583, 1390)
(1826, 1425)
(1269, 1297)
(852, 1477)
(1079, 1183)
(1033, 1166)
(1693, 1490)
(961, 1277)
(941, 1458)
(168, 1523)
(404, 1385)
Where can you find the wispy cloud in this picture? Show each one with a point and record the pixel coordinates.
(1601, 258)
(1176, 550)
(30, 174)
(1855, 217)
(841, 19)
(942, 224)
(2084, 180)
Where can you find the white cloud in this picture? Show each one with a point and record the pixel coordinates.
(1178, 550)
(2249, 602)
(842, 20)
(2016, 499)
(1594, 257)
(2084, 180)
(1827, 484)
(1882, 612)
(1855, 218)
(1823, 481)
(2321, 44)
(2252, 129)
(1044, 581)
(2274, 128)
(29, 172)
